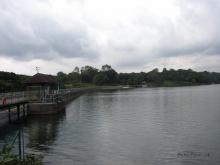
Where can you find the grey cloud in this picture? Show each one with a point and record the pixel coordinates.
(201, 36)
(74, 42)
(196, 31)
(24, 36)
(27, 34)
(190, 49)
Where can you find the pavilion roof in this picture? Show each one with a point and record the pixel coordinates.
(41, 79)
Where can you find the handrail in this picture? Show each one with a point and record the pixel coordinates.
(14, 139)
(9, 98)
(53, 96)
(20, 136)
(58, 95)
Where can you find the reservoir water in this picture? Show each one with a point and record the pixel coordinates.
(144, 126)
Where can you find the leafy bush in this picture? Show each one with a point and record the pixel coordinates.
(8, 158)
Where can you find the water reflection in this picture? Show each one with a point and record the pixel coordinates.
(42, 130)
(170, 126)
(7, 132)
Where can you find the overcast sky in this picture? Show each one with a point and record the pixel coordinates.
(130, 35)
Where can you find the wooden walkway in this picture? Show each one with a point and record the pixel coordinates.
(12, 99)
(13, 106)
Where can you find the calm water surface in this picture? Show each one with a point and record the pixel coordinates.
(155, 126)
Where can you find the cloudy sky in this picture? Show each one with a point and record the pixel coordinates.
(130, 35)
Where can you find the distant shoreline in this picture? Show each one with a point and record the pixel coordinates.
(117, 87)
(108, 78)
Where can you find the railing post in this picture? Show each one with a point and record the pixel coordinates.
(23, 110)
(19, 144)
(9, 114)
(18, 112)
(23, 143)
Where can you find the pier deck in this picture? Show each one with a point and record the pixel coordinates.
(15, 106)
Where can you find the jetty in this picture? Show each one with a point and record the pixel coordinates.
(13, 107)
(41, 97)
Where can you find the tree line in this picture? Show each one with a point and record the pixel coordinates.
(106, 75)
(10, 82)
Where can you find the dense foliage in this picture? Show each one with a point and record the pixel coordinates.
(11, 82)
(108, 76)
(90, 76)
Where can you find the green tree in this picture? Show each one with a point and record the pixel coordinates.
(74, 77)
(61, 77)
(100, 79)
(110, 73)
(88, 73)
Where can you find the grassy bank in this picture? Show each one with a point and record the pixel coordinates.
(173, 84)
(92, 86)
(118, 86)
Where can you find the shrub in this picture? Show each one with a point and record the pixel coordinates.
(8, 158)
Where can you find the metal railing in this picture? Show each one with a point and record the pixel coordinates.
(58, 95)
(16, 144)
(12, 97)
(66, 91)
(20, 136)
(50, 98)
(53, 96)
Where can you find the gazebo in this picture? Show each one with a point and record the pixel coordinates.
(39, 86)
